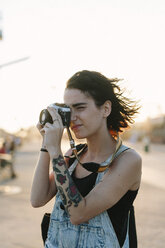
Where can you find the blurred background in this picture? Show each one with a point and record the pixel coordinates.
(42, 44)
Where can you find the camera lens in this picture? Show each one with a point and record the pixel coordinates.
(45, 117)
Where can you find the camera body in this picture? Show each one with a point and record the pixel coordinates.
(63, 110)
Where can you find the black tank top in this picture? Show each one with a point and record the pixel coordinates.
(118, 213)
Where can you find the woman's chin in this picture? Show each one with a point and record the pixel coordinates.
(79, 136)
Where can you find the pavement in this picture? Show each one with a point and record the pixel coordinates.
(20, 223)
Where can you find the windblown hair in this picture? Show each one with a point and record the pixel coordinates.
(101, 89)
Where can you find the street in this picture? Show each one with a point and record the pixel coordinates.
(20, 223)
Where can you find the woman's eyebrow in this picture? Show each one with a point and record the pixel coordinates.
(78, 104)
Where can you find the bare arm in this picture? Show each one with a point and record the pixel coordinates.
(65, 185)
(43, 186)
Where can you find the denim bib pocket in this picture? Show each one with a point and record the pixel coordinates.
(63, 234)
(91, 237)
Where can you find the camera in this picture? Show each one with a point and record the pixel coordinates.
(63, 110)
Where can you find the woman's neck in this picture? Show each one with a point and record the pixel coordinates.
(100, 146)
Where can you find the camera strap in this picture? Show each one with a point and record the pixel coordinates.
(92, 166)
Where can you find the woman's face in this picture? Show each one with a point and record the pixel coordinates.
(86, 118)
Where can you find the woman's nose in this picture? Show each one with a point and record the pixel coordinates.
(73, 115)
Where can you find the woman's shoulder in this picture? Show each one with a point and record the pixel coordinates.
(129, 153)
(128, 168)
(133, 156)
(129, 159)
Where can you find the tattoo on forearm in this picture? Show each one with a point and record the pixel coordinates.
(65, 185)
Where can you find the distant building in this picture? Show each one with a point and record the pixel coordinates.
(158, 129)
(153, 128)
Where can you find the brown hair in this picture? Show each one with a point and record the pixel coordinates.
(101, 89)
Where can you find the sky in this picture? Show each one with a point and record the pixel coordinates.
(56, 38)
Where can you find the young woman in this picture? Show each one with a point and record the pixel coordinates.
(92, 209)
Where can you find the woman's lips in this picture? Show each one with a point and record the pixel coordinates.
(75, 127)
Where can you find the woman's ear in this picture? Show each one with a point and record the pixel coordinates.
(107, 107)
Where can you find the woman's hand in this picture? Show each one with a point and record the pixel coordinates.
(40, 128)
(53, 134)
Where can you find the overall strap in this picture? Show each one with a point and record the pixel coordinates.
(121, 149)
(105, 217)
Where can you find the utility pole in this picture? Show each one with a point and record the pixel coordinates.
(1, 39)
(13, 62)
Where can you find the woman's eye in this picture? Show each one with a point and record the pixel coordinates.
(79, 108)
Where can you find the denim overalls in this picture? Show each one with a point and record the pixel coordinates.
(97, 233)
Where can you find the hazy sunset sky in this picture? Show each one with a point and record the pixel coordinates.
(124, 39)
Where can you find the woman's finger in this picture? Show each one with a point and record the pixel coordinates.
(42, 130)
(55, 115)
(39, 126)
(47, 126)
